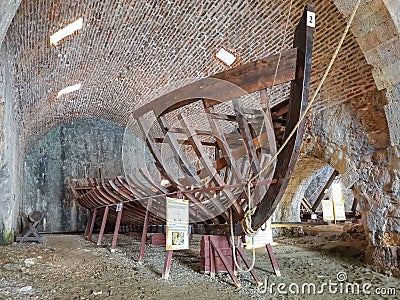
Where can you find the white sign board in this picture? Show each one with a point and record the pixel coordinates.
(340, 213)
(177, 224)
(263, 237)
(327, 210)
(333, 210)
(310, 19)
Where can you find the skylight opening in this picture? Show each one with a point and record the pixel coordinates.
(66, 31)
(225, 56)
(69, 89)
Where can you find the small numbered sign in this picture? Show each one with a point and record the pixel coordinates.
(119, 207)
(310, 19)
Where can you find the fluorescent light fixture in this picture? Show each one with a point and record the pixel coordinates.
(225, 56)
(69, 89)
(67, 30)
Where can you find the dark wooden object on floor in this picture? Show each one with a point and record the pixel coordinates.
(30, 234)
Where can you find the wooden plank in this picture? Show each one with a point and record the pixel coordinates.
(103, 226)
(223, 145)
(220, 116)
(247, 78)
(181, 158)
(145, 230)
(116, 230)
(209, 167)
(167, 264)
(305, 203)
(322, 193)
(155, 151)
(283, 111)
(247, 137)
(225, 262)
(160, 140)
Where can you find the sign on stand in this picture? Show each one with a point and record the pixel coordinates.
(263, 237)
(177, 224)
(333, 210)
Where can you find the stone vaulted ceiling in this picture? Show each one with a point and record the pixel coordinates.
(127, 50)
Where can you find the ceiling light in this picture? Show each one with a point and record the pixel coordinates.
(67, 30)
(225, 56)
(69, 89)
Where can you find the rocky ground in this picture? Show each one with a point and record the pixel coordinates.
(69, 267)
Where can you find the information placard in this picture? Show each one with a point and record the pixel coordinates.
(177, 224)
(327, 210)
(263, 237)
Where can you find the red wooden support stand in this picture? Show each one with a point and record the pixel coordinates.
(103, 226)
(145, 229)
(90, 225)
(116, 230)
(273, 260)
(167, 264)
(217, 256)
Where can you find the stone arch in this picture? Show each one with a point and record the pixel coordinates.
(289, 207)
(376, 28)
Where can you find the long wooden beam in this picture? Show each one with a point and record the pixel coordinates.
(227, 85)
(322, 193)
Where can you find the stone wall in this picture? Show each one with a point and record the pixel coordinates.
(376, 29)
(75, 149)
(9, 160)
(10, 163)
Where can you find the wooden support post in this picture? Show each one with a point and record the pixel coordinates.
(93, 220)
(116, 230)
(272, 258)
(212, 260)
(103, 225)
(89, 222)
(321, 195)
(226, 264)
(145, 229)
(167, 264)
(247, 263)
(354, 206)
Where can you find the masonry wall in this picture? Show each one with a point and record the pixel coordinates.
(10, 163)
(75, 149)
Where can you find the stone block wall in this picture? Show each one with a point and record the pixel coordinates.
(10, 162)
(376, 28)
(75, 149)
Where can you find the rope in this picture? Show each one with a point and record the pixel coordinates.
(234, 248)
(247, 220)
(314, 96)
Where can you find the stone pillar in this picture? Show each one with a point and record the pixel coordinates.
(8, 155)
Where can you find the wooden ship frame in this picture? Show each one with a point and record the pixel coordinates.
(216, 183)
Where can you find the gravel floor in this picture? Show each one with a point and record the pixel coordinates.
(69, 267)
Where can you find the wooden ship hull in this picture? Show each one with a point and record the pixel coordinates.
(214, 143)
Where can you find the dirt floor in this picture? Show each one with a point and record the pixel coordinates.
(69, 267)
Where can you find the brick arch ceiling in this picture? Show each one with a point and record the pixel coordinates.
(127, 50)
